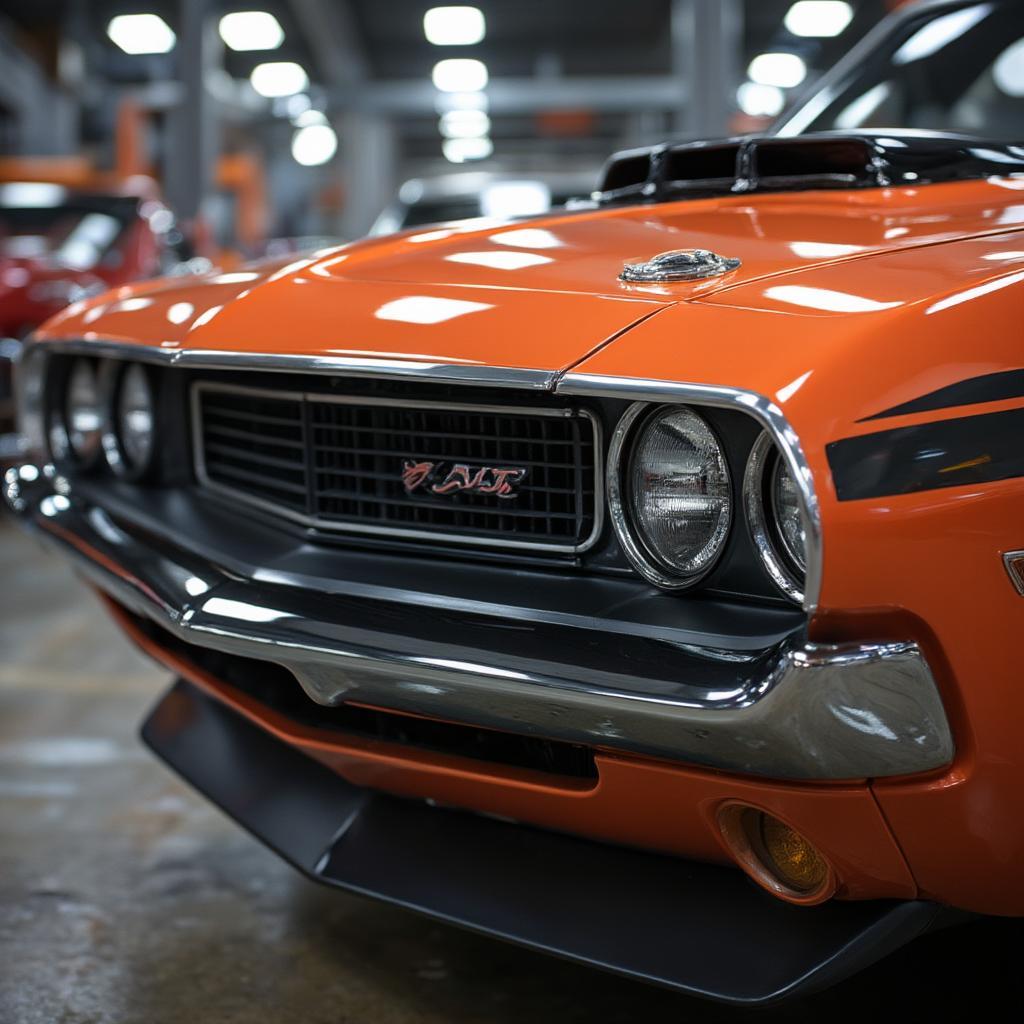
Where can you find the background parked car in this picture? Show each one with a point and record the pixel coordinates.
(59, 245)
(479, 194)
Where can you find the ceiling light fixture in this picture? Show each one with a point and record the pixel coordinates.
(459, 151)
(279, 78)
(460, 74)
(314, 144)
(454, 26)
(251, 30)
(783, 70)
(821, 19)
(760, 100)
(141, 33)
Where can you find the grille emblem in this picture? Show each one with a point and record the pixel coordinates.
(679, 265)
(450, 478)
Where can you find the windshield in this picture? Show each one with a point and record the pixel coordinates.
(957, 69)
(76, 232)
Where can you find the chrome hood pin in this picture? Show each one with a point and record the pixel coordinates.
(678, 265)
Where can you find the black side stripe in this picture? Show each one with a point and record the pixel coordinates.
(992, 387)
(946, 453)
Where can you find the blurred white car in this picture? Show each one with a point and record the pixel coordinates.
(480, 194)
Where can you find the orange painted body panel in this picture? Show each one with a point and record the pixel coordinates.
(847, 303)
(540, 296)
(636, 802)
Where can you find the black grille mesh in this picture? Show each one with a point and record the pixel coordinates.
(340, 464)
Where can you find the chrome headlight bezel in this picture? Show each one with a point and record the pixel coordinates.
(62, 429)
(116, 448)
(624, 442)
(765, 533)
(29, 370)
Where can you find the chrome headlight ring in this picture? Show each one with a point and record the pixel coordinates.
(130, 397)
(622, 450)
(78, 413)
(770, 549)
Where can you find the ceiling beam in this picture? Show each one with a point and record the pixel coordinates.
(333, 37)
(521, 95)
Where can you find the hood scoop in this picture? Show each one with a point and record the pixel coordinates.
(817, 161)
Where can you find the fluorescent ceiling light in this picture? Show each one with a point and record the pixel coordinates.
(760, 100)
(818, 18)
(454, 26)
(937, 33)
(460, 74)
(141, 33)
(314, 144)
(465, 124)
(251, 30)
(458, 151)
(279, 78)
(783, 70)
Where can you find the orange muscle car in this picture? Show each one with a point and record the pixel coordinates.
(636, 583)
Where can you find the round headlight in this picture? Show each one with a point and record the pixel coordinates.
(775, 517)
(83, 411)
(672, 504)
(130, 450)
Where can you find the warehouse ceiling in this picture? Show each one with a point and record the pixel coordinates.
(341, 41)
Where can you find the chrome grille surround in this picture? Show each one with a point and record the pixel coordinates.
(322, 477)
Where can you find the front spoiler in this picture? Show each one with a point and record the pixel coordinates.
(696, 928)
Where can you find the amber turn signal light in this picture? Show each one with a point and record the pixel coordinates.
(776, 855)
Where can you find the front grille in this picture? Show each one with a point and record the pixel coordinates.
(490, 475)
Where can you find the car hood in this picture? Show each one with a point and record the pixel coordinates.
(541, 294)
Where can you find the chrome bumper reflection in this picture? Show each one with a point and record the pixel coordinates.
(796, 711)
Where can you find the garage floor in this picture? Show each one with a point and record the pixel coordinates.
(125, 898)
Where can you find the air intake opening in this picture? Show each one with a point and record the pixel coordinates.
(625, 171)
(837, 161)
(701, 165)
(822, 160)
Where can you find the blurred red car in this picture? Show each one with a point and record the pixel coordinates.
(57, 246)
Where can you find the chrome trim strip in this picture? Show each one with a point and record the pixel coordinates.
(272, 362)
(844, 711)
(762, 409)
(437, 536)
(583, 384)
(757, 523)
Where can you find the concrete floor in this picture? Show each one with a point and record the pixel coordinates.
(124, 897)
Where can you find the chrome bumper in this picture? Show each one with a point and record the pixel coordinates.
(788, 709)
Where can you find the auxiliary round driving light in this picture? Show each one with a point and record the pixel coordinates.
(776, 855)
